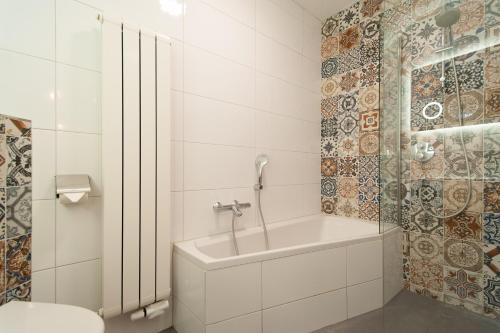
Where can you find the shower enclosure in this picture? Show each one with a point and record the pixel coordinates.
(440, 148)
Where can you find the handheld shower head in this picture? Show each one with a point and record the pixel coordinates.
(260, 162)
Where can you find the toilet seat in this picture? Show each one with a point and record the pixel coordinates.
(28, 317)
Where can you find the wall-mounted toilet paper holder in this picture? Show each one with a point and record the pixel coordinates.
(71, 189)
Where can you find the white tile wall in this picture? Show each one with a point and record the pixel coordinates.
(43, 241)
(79, 284)
(62, 100)
(43, 286)
(306, 315)
(243, 83)
(24, 76)
(27, 26)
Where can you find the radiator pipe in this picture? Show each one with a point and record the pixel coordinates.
(151, 311)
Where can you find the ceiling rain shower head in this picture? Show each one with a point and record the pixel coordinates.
(447, 17)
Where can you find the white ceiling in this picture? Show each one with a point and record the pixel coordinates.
(323, 9)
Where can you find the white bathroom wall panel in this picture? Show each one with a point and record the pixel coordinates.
(27, 26)
(163, 163)
(131, 168)
(112, 169)
(16, 84)
(148, 169)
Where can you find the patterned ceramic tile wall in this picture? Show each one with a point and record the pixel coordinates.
(350, 112)
(15, 209)
(455, 259)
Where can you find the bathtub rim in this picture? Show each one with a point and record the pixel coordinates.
(188, 249)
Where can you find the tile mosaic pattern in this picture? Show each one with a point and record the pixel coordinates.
(15, 209)
(350, 112)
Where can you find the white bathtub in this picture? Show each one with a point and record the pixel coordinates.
(319, 271)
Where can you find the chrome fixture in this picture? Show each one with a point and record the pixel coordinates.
(423, 151)
(235, 207)
(260, 162)
(445, 19)
(436, 115)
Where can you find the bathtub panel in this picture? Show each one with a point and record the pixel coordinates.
(233, 292)
(292, 278)
(184, 320)
(364, 297)
(189, 285)
(306, 315)
(251, 323)
(364, 262)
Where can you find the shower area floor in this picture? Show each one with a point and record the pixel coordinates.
(410, 313)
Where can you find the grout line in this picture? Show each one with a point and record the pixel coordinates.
(254, 108)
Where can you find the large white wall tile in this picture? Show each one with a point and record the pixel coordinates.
(213, 76)
(241, 10)
(43, 286)
(79, 154)
(27, 86)
(312, 199)
(184, 320)
(43, 238)
(177, 54)
(292, 278)
(225, 297)
(189, 285)
(275, 22)
(44, 164)
(177, 167)
(209, 166)
(364, 297)
(177, 216)
(278, 132)
(290, 167)
(289, 6)
(201, 220)
(177, 125)
(306, 315)
(364, 262)
(78, 99)
(312, 38)
(210, 121)
(311, 77)
(278, 60)
(78, 231)
(77, 34)
(79, 284)
(27, 26)
(282, 202)
(210, 29)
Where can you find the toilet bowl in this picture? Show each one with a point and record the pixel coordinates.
(24, 317)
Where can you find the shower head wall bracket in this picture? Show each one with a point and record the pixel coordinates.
(423, 151)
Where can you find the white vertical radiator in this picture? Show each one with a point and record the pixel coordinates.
(135, 167)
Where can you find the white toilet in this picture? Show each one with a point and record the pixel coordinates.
(28, 317)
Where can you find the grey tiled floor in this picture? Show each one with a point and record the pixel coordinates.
(409, 313)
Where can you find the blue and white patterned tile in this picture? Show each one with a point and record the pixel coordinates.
(19, 216)
(491, 228)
